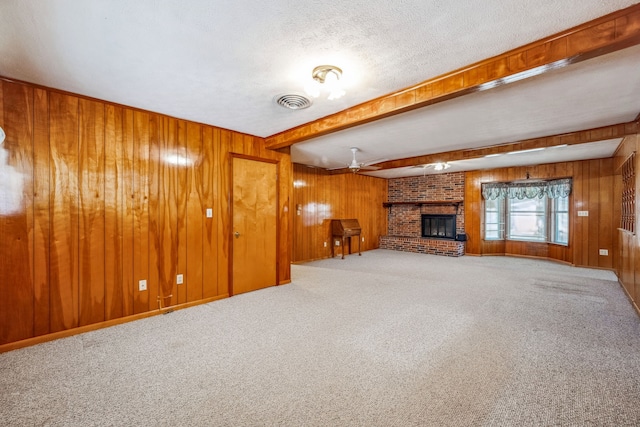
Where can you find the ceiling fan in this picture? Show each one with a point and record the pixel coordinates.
(355, 167)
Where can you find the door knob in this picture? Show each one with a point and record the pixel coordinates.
(236, 234)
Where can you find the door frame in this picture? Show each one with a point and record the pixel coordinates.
(230, 233)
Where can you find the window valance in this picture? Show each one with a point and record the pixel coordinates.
(557, 188)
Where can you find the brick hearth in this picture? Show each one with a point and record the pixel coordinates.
(423, 246)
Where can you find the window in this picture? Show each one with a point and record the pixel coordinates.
(494, 219)
(534, 211)
(527, 219)
(560, 220)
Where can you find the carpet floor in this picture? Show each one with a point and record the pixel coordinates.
(385, 339)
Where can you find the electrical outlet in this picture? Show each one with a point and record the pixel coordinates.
(325, 244)
(604, 252)
(142, 285)
(179, 279)
(337, 242)
(209, 213)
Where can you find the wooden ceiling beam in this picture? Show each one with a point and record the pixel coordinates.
(581, 137)
(616, 31)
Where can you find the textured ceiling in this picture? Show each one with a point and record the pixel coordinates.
(591, 94)
(222, 63)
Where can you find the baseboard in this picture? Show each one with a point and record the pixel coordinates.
(95, 326)
(633, 303)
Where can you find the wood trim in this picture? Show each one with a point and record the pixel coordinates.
(609, 33)
(619, 130)
(626, 292)
(101, 325)
(230, 230)
(255, 158)
(455, 203)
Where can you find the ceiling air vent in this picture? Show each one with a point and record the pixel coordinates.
(293, 101)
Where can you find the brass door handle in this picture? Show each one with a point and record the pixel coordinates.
(236, 234)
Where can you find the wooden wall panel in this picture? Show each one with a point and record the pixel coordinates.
(592, 187)
(578, 194)
(593, 237)
(127, 212)
(180, 195)
(141, 170)
(607, 222)
(205, 182)
(113, 213)
(64, 255)
(91, 193)
(194, 213)
(16, 214)
(109, 196)
(41, 212)
(319, 197)
(222, 211)
(162, 213)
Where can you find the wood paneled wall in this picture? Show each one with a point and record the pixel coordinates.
(95, 197)
(593, 187)
(319, 197)
(628, 244)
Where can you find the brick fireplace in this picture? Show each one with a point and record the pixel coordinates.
(432, 196)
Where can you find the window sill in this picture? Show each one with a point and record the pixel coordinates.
(565, 245)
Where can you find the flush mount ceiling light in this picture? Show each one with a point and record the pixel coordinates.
(321, 72)
(440, 166)
(326, 78)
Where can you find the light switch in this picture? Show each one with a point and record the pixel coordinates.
(583, 213)
(179, 279)
(142, 285)
(209, 213)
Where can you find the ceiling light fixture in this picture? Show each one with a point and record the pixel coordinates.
(326, 77)
(440, 166)
(355, 166)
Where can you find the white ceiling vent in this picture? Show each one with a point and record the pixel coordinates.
(293, 101)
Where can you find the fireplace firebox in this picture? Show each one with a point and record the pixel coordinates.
(439, 226)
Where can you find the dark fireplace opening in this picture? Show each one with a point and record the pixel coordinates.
(439, 226)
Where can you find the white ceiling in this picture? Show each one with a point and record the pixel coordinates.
(591, 94)
(222, 63)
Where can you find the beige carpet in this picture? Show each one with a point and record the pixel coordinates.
(386, 339)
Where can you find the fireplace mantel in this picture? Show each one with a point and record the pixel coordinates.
(455, 203)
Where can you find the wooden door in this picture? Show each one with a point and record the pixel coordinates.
(254, 224)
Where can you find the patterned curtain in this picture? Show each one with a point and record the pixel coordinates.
(557, 188)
